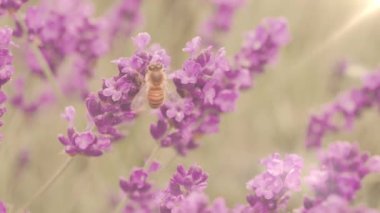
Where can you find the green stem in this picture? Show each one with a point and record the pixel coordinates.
(48, 184)
(48, 72)
(152, 154)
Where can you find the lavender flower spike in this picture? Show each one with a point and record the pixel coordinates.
(221, 19)
(183, 183)
(3, 208)
(142, 197)
(199, 203)
(123, 18)
(84, 143)
(335, 204)
(6, 58)
(10, 6)
(347, 107)
(210, 86)
(343, 167)
(272, 188)
(6, 67)
(112, 105)
(206, 92)
(261, 47)
(67, 30)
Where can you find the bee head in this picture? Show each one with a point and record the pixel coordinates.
(155, 67)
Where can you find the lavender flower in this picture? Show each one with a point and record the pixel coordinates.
(10, 6)
(84, 143)
(262, 46)
(206, 92)
(19, 99)
(221, 19)
(22, 162)
(209, 86)
(123, 18)
(337, 204)
(272, 188)
(6, 59)
(182, 184)
(345, 109)
(3, 208)
(6, 67)
(343, 167)
(67, 30)
(338, 73)
(112, 106)
(199, 203)
(184, 193)
(142, 197)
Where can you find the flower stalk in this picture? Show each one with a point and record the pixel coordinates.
(47, 184)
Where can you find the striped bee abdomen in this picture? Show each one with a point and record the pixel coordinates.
(155, 96)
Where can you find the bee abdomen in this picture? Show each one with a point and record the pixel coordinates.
(155, 97)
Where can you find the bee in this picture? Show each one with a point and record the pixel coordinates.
(155, 79)
(153, 90)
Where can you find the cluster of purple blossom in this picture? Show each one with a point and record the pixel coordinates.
(6, 67)
(335, 183)
(272, 189)
(337, 180)
(63, 30)
(221, 19)
(18, 99)
(3, 209)
(207, 86)
(123, 18)
(66, 32)
(86, 142)
(112, 106)
(186, 189)
(10, 6)
(344, 110)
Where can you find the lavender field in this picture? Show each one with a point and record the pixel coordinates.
(181, 106)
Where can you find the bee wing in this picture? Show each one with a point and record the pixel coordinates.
(171, 91)
(140, 101)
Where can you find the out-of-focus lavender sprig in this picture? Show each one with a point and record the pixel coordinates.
(18, 98)
(199, 202)
(123, 18)
(272, 188)
(185, 192)
(186, 189)
(86, 143)
(342, 112)
(141, 195)
(221, 19)
(333, 204)
(342, 168)
(261, 47)
(112, 106)
(6, 67)
(10, 6)
(22, 162)
(3, 208)
(66, 30)
(182, 184)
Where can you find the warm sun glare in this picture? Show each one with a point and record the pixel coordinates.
(375, 3)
